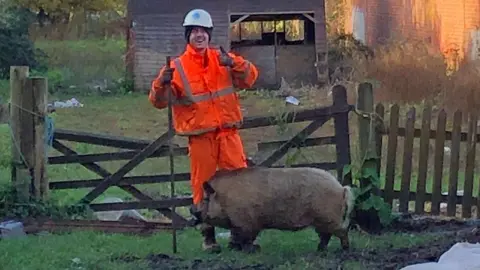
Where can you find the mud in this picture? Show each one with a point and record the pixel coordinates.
(449, 232)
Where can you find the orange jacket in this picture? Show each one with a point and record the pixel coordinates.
(203, 91)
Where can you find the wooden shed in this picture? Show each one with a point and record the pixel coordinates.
(285, 39)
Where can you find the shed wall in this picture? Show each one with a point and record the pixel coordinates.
(158, 31)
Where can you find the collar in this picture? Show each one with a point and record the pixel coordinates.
(196, 57)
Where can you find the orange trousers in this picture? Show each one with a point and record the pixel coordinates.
(222, 149)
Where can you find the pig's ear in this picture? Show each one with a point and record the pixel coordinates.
(208, 188)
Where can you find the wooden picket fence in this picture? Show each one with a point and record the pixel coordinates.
(427, 138)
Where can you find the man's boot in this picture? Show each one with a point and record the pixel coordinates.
(209, 241)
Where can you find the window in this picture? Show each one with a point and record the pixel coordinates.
(272, 31)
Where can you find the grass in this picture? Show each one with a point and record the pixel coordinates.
(98, 251)
(84, 65)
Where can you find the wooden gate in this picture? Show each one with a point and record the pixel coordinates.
(140, 150)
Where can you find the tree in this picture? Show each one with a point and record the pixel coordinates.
(62, 10)
(15, 46)
(68, 6)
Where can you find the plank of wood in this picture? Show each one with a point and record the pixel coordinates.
(407, 159)
(454, 163)
(423, 160)
(438, 166)
(391, 154)
(469, 167)
(342, 132)
(125, 226)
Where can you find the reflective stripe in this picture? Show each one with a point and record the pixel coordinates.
(205, 130)
(174, 100)
(190, 98)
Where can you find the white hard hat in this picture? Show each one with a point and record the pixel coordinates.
(198, 17)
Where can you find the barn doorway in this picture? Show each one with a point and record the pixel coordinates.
(282, 45)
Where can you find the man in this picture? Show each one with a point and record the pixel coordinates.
(206, 107)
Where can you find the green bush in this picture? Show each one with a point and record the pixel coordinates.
(15, 47)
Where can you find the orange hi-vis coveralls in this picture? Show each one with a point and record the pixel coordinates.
(206, 108)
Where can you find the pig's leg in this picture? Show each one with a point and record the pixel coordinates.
(324, 239)
(249, 245)
(342, 234)
(236, 241)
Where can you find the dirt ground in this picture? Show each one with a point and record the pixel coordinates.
(450, 232)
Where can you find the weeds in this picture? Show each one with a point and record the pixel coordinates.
(406, 71)
(11, 206)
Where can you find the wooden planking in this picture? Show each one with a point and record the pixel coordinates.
(163, 152)
(469, 167)
(391, 154)
(423, 160)
(433, 134)
(341, 125)
(380, 111)
(407, 159)
(249, 122)
(454, 163)
(438, 165)
(177, 202)
(162, 178)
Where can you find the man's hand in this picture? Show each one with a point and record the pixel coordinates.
(224, 59)
(167, 75)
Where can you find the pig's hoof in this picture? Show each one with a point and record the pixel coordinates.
(211, 248)
(251, 248)
(321, 248)
(234, 246)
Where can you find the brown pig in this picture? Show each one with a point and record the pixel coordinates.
(247, 201)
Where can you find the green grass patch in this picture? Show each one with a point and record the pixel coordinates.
(82, 64)
(93, 250)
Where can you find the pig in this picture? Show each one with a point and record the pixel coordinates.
(247, 201)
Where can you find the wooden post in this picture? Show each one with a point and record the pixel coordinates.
(365, 104)
(27, 112)
(368, 150)
(21, 125)
(367, 128)
(39, 91)
(342, 133)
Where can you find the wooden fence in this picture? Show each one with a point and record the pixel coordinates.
(429, 138)
(139, 150)
(28, 108)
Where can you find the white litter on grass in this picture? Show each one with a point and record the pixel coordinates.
(118, 215)
(71, 103)
(292, 100)
(11, 229)
(461, 256)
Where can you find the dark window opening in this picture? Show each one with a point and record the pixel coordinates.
(267, 30)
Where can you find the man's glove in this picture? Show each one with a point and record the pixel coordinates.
(167, 75)
(224, 59)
